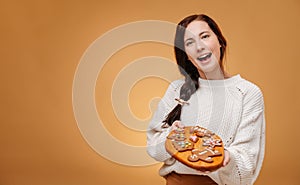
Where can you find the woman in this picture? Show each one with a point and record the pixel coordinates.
(230, 106)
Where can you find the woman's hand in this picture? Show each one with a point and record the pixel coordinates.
(226, 157)
(176, 124)
(225, 162)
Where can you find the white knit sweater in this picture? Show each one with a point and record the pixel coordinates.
(233, 109)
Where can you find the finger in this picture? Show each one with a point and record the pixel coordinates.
(203, 171)
(176, 123)
(225, 162)
(226, 158)
(207, 172)
(180, 125)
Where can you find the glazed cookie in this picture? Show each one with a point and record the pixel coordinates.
(212, 142)
(194, 138)
(181, 146)
(177, 137)
(205, 155)
(202, 132)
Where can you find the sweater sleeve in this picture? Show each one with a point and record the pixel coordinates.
(156, 135)
(247, 149)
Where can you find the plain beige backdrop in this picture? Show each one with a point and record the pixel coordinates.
(42, 43)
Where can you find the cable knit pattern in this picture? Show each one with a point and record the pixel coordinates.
(232, 108)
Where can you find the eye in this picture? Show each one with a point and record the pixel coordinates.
(188, 43)
(205, 36)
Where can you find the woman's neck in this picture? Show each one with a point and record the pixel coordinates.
(214, 75)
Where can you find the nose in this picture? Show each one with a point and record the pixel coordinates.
(200, 46)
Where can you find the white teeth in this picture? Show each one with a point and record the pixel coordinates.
(205, 56)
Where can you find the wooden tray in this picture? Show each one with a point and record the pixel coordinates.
(204, 144)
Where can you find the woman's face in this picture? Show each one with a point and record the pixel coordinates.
(202, 47)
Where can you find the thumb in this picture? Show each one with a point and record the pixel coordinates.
(226, 157)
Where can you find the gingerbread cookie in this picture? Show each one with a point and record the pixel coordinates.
(205, 155)
(201, 132)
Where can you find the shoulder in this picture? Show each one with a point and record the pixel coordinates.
(172, 92)
(252, 93)
(248, 88)
(176, 85)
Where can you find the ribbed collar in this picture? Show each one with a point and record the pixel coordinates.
(217, 83)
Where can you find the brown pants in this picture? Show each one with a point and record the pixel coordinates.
(180, 179)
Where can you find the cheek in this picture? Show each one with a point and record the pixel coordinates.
(188, 50)
(189, 54)
(215, 49)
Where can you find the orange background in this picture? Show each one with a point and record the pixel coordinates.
(42, 43)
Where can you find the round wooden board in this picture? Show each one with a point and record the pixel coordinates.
(199, 165)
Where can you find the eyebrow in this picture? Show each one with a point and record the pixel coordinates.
(199, 35)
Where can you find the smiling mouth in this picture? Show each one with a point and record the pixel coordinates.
(204, 57)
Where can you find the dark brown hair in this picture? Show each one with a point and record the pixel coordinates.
(186, 67)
